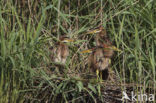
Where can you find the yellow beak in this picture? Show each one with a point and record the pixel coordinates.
(87, 51)
(67, 40)
(115, 49)
(93, 31)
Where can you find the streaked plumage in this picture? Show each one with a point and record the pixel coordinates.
(60, 52)
(100, 58)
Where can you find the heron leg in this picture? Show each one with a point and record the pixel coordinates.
(109, 61)
(97, 73)
(110, 77)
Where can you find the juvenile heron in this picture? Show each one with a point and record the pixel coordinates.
(100, 57)
(60, 51)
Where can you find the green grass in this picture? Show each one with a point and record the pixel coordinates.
(29, 28)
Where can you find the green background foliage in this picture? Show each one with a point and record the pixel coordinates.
(29, 27)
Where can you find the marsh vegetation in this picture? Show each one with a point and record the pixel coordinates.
(28, 28)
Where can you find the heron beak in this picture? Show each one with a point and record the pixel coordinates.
(68, 40)
(87, 51)
(115, 49)
(93, 31)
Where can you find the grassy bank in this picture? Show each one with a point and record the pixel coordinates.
(29, 28)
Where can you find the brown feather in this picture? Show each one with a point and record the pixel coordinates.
(97, 60)
(102, 53)
(60, 52)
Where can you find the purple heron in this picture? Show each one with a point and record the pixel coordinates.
(60, 52)
(100, 57)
